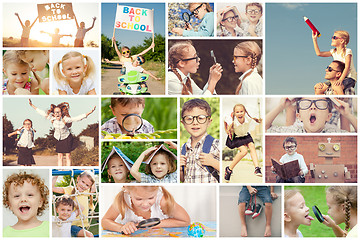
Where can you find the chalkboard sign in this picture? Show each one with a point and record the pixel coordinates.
(49, 12)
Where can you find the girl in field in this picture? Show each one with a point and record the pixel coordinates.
(61, 121)
(26, 30)
(183, 60)
(135, 203)
(73, 74)
(238, 129)
(247, 56)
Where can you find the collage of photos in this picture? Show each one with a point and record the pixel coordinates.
(188, 119)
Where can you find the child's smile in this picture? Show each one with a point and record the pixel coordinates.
(159, 166)
(254, 14)
(74, 69)
(117, 169)
(18, 74)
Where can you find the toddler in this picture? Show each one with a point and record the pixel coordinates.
(61, 224)
(26, 195)
(75, 77)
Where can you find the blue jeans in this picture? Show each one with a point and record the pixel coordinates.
(75, 230)
(263, 193)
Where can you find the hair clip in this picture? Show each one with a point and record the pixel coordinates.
(60, 61)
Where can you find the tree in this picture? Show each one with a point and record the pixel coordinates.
(107, 50)
(92, 130)
(8, 127)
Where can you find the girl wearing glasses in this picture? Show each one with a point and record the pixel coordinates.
(238, 129)
(342, 54)
(247, 56)
(184, 60)
(205, 14)
(229, 22)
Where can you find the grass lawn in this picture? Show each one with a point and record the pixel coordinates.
(315, 196)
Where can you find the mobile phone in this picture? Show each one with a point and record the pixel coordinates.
(212, 54)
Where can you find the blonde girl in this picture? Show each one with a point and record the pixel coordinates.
(26, 30)
(135, 203)
(18, 81)
(183, 61)
(160, 169)
(80, 193)
(203, 12)
(73, 74)
(246, 57)
(342, 203)
(341, 53)
(25, 143)
(238, 131)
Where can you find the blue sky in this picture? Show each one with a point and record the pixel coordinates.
(292, 66)
(126, 37)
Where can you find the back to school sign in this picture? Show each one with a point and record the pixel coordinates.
(50, 12)
(135, 19)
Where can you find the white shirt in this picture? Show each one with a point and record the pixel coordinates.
(298, 233)
(241, 129)
(62, 228)
(87, 85)
(26, 139)
(252, 84)
(289, 158)
(129, 67)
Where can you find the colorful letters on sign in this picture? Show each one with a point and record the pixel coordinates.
(133, 18)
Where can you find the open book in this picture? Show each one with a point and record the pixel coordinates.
(128, 163)
(150, 156)
(286, 170)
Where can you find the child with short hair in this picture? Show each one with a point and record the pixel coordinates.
(25, 143)
(197, 165)
(67, 211)
(26, 30)
(18, 81)
(342, 203)
(123, 107)
(81, 31)
(26, 195)
(252, 24)
(296, 213)
(56, 37)
(313, 112)
(85, 185)
(75, 77)
(246, 57)
(290, 145)
(136, 203)
(160, 166)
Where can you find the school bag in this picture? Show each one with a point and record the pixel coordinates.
(21, 133)
(206, 149)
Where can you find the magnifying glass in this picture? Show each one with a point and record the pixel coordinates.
(186, 16)
(318, 214)
(151, 222)
(132, 123)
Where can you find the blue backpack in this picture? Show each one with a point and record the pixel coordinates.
(206, 149)
(22, 131)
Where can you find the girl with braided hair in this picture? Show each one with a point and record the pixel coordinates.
(246, 57)
(238, 129)
(184, 60)
(61, 121)
(342, 203)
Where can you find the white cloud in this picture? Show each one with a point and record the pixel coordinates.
(293, 6)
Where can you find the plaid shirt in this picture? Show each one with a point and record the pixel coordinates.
(347, 91)
(195, 172)
(299, 128)
(168, 178)
(112, 126)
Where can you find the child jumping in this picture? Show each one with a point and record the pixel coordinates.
(341, 53)
(85, 185)
(160, 169)
(205, 14)
(75, 77)
(67, 211)
(26, 30)
(25, 143)
(26, 195)
(135, 203)
(81, 31)
(247, 56)
(183, 61)
(239, 137)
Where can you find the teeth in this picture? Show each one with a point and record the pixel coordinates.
(24, 209)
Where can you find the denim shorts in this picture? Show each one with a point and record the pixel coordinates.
(75, 230)
(263, 192)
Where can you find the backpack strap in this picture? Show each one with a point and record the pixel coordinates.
(22, 131)
(206, 149)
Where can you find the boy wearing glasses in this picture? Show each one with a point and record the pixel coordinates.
(290, 146)
(196, 165)
(252, 26)
(314, 114)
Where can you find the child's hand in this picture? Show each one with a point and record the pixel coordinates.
(215, 72)
(91, 111)
(171, 144)
(188, 26)
(251, 30)
(252, 190)
(16, 14)
(328, 221)
(22, 91)
(320, 88)
(128, 228)
(182, 160)
(152, 45)
(344, 109)
(149, 150)
(207, 159)
(286, 102)
(273, 195)
(301, 173)
(178, 31)
(338, 88)
(157, 78)
(94, 18)
(314, 35)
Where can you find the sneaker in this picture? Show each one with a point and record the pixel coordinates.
(228, 173)
(250, 208)
(257, 210)
(258, 172)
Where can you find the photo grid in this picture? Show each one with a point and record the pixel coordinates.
(186, 119)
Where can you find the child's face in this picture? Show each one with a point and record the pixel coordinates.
(334, 74)
(27, 125)
(83, 183)
(190, 62)
(117, 169)
(296, 211)
(199, 10)
(64, 211)
(241, 62)
(338, 41)
(253, 13)
(159, 165)
(18, 74)
(37, 60)
(142, 200)
(196, 129)
(27, 23)
(74, 69)
(125, 52)
(229, 21)
(239, 112)
(313, 118)
(335, 211)
(120, 112)
(57, 113)
(82, 25)
(290, 148)
(24, 201)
